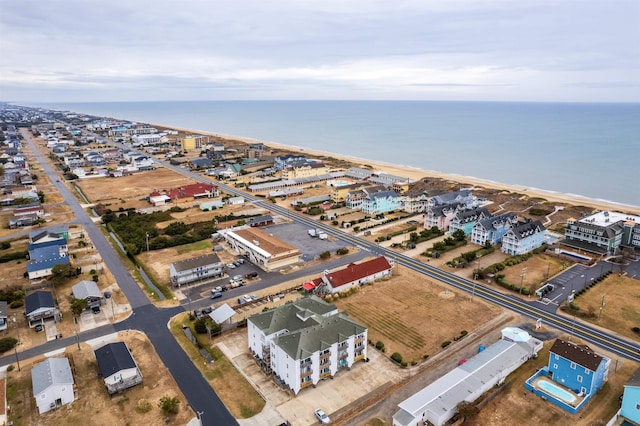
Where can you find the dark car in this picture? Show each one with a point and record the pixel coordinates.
(96, 309)
(38, 328)
(216, 294)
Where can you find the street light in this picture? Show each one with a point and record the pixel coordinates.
(147, 237)
(15, 350)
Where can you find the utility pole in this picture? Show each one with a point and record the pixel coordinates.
(76, 330)
(147, 236)
(601, 306)
(522, 275)
(15, 350)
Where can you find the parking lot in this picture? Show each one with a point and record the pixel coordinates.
(331, 395)
(297, 235)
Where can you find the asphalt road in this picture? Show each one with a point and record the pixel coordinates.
(145, 317)
(531, 309)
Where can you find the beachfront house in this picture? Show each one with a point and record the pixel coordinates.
(440, 216)
(466, 219)
(196, 269)
(574, 374)
(523, 237)
(52, 384)
(305, 341)
(380, 202)
(492, 229)
(630, 409)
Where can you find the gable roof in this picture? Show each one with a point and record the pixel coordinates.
(52, 371)
(354, 272)
(523, 230)
(3, 309)
(580, 354)
(113, 357)
(85, 289)
(634, 380)
(37, 300)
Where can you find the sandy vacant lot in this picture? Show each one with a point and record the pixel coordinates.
(413, 315)
(92, 400)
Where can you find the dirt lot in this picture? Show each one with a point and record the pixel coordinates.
(408, 295)
(158, 261)
(127, 191)
(92, 398)
(621, 297)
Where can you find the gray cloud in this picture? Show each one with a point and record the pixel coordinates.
(492, 49)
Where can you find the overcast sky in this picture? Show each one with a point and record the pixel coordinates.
(136, 50)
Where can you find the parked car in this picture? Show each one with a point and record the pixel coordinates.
(231, 266)
(236, 263)
(252, 275)
(207, 311)
(38, 328)
(247, 298)
(216, 294)
(107, 295)
(96, 309)
(322, 416)
(237, 278)
(240, 260)
(215, 289)
(254, 297)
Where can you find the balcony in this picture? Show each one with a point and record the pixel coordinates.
(343, 345)
(304, 374)
(305, 364)
(324, 356)
(358, 358)
(343, 355)
(359, 339)
(324, 375)
(306, 384)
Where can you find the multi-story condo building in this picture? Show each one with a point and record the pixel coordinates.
(304, 170)
(492, 229)
(603, 232)
(196, 269)
(306, 341)
(462, 197)
(523, 237)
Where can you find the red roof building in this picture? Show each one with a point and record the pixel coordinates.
(357, 274)
(196, 190)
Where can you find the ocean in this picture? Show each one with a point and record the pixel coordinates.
(590, 150)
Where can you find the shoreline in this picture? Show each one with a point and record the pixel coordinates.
(415, 174)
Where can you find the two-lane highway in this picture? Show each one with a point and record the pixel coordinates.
(615, 344)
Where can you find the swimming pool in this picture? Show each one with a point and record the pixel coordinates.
(575, 256)
(559, 393)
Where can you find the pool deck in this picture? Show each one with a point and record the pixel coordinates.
(575, 403)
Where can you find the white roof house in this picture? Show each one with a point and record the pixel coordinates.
(437, 403)
(52, 384)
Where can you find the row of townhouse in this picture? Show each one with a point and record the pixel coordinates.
(303, 342)
(603, 233)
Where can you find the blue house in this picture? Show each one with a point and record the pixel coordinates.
(380, 202)
(492, 229)
(574, 374)
(631, 399)
(523, 237)
(466, 219)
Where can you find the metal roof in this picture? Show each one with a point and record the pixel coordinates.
(52, 371)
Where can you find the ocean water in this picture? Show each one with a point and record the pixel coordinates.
(590, 150)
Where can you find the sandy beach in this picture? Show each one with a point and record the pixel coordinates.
(417, 174)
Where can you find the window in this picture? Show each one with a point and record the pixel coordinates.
(557, 358)
(555, 366)
(579, 379)
(573, 365)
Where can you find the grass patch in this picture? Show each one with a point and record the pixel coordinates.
(198, 245)
(236, 393)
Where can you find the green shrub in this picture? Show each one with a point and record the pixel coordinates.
(379, 345)
(446, 343)
(396, 357)
(10, 367)
(414, 362)
(16, 304)
(7, 343)
(143, 406)
(403, 363)
(169, 405)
